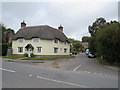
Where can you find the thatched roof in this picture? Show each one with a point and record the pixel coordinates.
(42, 32)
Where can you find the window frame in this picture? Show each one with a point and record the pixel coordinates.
(19, 40)
(36, 40)
(56, 41)
(65, 50)
(20, 49)
(38, 49)
(56, 50)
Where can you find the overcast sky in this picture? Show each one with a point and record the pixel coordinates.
(75, 17)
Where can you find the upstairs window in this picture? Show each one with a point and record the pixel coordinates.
(20, 40)
(56, 41)
(55, 50)
(65, 50)
(39, 49)
(20, 49)
(65, 42)
(35, 39)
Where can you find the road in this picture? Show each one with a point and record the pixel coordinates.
(20, 75)
(89, 65)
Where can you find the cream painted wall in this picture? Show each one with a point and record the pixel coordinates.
(47, 47)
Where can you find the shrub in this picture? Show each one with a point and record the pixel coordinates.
(25, 54)
(32, 54)
(4, 49)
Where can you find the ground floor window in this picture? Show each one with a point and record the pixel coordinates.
(65, 50)
(39, 49)
(55, 50)
(20, 49)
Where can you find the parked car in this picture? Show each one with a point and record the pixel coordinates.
(87, 51)
(91, 55)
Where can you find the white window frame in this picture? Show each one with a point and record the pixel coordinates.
(39, 49)
(20, 40)
(55, 50)
(65, 42)
(56, 41)
(20, 49)
(65, 50)
(35, 40)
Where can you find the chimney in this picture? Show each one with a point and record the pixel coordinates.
(23, 24)
(60, 28)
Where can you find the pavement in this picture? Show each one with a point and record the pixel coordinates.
(22, 75)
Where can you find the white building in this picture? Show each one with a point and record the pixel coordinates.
(44, 41)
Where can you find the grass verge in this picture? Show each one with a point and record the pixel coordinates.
(9, 57)
(32, 58)
(104, 62)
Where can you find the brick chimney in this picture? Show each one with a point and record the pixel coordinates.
(60, 28)
(23, 24)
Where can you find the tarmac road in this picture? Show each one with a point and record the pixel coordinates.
(20, 75)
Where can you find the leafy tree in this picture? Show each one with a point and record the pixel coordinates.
(99, 23)
(92, 45)
(76, 45)
(108, 42)
(85, 39)
(5, 34)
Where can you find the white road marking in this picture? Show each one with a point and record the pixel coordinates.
(30, 75)
(88, 72)
(62, 82)
(7, 70)
(76, 68)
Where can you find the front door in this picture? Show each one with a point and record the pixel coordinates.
(29, 51)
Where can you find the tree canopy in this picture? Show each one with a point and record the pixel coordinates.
(99, 23)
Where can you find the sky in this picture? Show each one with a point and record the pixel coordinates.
(75, 17)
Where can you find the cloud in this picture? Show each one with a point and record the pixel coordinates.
(74, 16)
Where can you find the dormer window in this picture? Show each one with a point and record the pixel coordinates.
(35, 39)
(65, 42)
(20, 40)
(56, 41)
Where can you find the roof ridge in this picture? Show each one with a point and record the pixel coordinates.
(35, 26)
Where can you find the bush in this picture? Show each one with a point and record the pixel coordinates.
(25, 54)
(32, 54)
(4, 49)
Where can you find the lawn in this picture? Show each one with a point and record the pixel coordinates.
(9, 57)
(32, 58)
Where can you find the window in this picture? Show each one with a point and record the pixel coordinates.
(39, 49)
(56, 41)
(20, 40)
(55, 50)
(65, 42)
(65, 50)
(20, 49)
(35, 39)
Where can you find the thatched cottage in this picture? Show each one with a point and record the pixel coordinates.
(44, 41)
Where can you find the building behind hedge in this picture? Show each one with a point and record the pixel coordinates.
(41, 40)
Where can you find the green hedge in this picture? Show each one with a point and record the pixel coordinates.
(5, 46)
(108, 43)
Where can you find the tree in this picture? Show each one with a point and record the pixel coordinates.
(76, 45)
(108, 42)
(99, 23)
(6, 34)
(85, 39)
